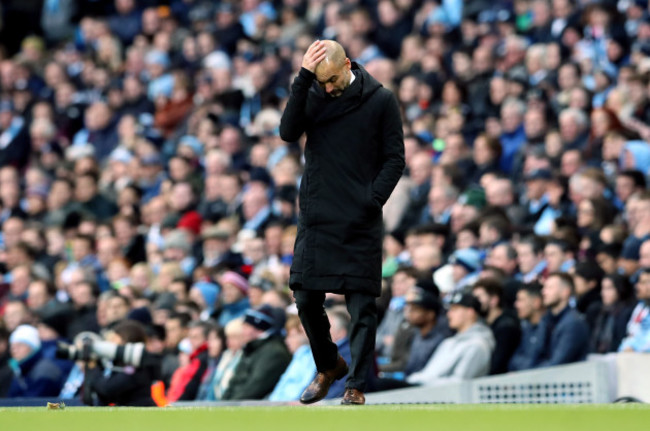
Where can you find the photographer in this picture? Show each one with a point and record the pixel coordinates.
(125, 385)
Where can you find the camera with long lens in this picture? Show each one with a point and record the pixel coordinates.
(81, 350)
(90, 346)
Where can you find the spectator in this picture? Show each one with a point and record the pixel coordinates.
(83, 294)
(186, 380)
(559, 256)
(339, 323)
(467, 354)
(637, 327)
(505, 328)
(264, 360)
(15, 148)
(530, 310)
(466, 264)
(564, 332)
(229, 360)
(35, 376)
(425, 313)
(234, 297)
(301, 369)
(163, 117)
(403, 279)
(587, 277)
(611, 322)
(530, 259)
(6, 373)
(216, 348)
(123, 386)
(175, 331)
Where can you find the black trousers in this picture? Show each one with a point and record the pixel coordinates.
(363, 327)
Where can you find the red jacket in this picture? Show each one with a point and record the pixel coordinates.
(186, 380)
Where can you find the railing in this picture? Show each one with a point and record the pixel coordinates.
(601, 379)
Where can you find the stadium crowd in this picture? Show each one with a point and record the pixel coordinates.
(145, 193)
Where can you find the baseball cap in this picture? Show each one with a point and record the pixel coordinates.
(423, 298)
(466, 300)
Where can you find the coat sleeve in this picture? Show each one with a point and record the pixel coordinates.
(294, 118)
(392, 152)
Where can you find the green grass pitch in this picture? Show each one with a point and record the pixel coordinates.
(379, 417)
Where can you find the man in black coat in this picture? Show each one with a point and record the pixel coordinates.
(505, 326)
(354, 157)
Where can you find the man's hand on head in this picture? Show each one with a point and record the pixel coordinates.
(316, 53)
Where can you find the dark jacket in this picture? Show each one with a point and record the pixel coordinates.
(507, 334)
(83, 319)
(401, 349)
(6, 374)
(527, 351)
(36, 377)
(589, 305)
(16, 151)
(423, 348)
(565, 338)
(124, 386)
(611, 327)
(100, 207)
(354, 157)
(261, 366)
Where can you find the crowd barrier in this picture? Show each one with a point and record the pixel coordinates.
(600, 379)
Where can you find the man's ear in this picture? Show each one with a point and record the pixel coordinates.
(348, 63)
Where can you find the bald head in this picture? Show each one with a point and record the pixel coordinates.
(334, 56)
(333, 72)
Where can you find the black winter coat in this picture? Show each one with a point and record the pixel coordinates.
(354, 157)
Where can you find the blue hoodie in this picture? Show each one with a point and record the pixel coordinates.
(640, 152)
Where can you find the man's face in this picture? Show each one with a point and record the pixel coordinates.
(526, 258)
(85, 189)
(499, 258)
(249, 333)
(196, 336)
(174, 332)
(624, 187)
(37, 295)
(554, 257)
(333, 78)
(116, 309)
(402, 282)
(416, 315)
(458, 316)
(552, 292)
(525, 304)
(15, 314)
